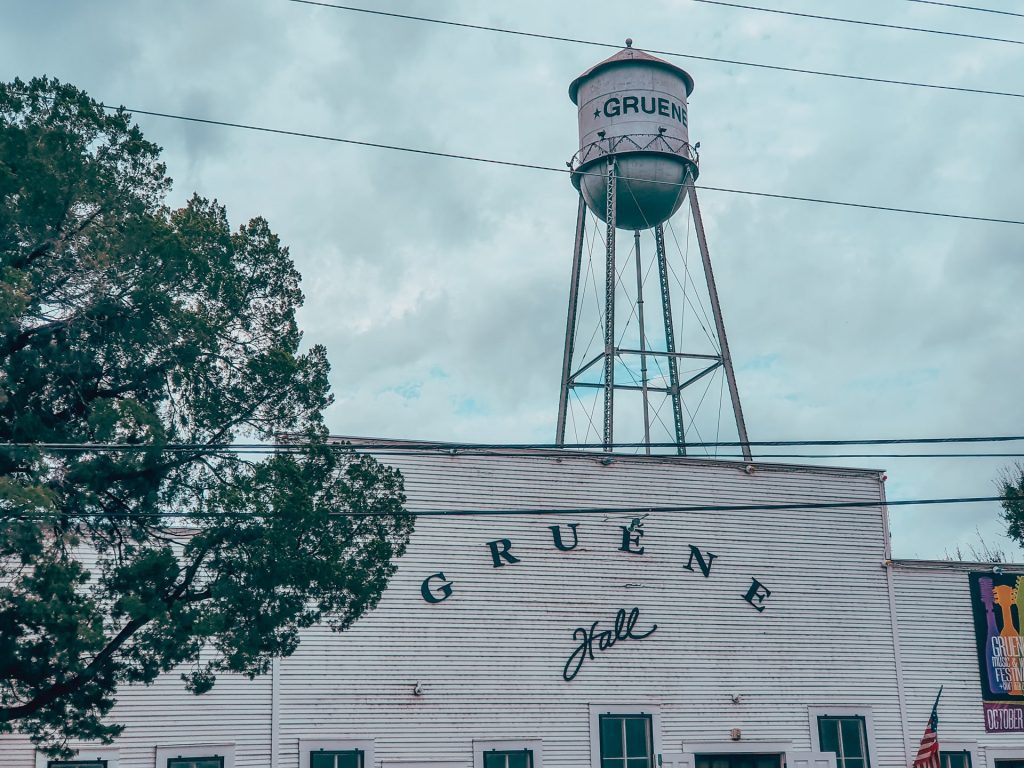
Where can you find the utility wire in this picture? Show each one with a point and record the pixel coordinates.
(637, 510)
(673, 54)
(967, 7)
(342, 444)
(550, 168)
(559, 454)
(861, 22)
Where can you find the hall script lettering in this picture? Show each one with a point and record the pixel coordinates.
(623, 628)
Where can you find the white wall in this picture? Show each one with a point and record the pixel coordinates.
(936, 627)
(490, 658)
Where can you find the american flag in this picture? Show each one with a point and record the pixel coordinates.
(928, 752)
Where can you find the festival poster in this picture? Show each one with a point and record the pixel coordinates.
(998, 603)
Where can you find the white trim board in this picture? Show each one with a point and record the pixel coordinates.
(737, 747)
(110, 754)
(623, 708)
(314, 745)
(813, 713)
(510, 745)
(227, 751)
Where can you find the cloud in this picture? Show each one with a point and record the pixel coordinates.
(439, 286)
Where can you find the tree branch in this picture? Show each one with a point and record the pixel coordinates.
(105, 656)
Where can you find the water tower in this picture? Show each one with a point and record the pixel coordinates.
(634, 169)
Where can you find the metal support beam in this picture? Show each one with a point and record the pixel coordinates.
(660, 353)
(570, 321)
(609, 309)
(698, 376)
(643, 341)
(670, 341)
(584, 368)
(716, 308)
(628, 387)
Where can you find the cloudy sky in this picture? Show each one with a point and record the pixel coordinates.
(439, 286)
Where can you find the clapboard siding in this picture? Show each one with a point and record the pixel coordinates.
(490, 658)
(936, 627)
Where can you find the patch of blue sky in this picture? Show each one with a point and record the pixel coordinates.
(468, 406)
(409, 391)
(759, 362)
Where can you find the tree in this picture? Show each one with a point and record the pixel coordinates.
(1011, 488)
(123, 322)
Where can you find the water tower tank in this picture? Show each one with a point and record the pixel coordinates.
(633, 106)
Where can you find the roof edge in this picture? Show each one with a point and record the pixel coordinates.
(492, 449)
(910, 564)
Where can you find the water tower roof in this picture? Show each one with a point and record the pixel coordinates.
(629, 54)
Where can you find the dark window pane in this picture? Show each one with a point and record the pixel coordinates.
(636, 737)
(611, 737)
(321, 759)
(638, 762)
(955, 759)
(853, 762)
(519, 759)
(828, 734)
(76, 764)
(853, 737)
(494, 759)
(349, 759)
(613, 762)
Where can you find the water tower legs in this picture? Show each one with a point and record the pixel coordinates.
(570, 321)
(670, 342)
(573, 372)
(643, 341)
(609, 310)
(716, 308)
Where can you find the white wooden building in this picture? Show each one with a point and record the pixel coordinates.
(753, 637)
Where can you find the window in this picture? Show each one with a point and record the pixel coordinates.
(958, 759)
(847, 737)
(336, 758)
(626, 741)
(91, 764)
(214, 761)
(514, 758)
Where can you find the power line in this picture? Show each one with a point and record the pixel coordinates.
(541, 511)
(673, 54)
(967, 7)
(861, 22)
(384, 444)
(554, 169)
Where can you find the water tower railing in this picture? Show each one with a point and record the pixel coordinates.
(633, 142)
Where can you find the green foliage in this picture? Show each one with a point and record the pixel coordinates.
(122, 321)
(1011, 488)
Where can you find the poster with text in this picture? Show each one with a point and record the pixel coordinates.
(998, 603)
